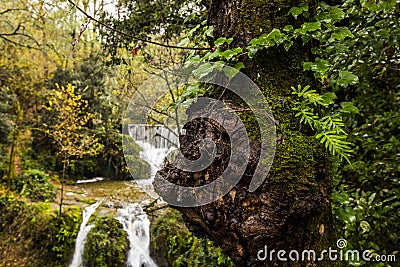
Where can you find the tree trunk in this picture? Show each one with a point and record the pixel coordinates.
(65, 164)
(291, 210)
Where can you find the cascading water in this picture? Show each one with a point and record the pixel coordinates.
(155, 158)
(84, 230)
(155, 143)
(136, 224)
(154, 149)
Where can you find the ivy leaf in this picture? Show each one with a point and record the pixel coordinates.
(347, 78)
(228, 54)
(333, 15)
(288, 28)
(192, 61)
(328, 98)
(270, 39)
(287, 45)
(209, 31)
(239, 66)
(184, 42)
(222, 40)
(309, 27)
(203, 70)
(296, 11)
(348, 107)
(386, 4)
(188, 102)
(371, 6)
(231, 72)
(341, 33)
(320, 66)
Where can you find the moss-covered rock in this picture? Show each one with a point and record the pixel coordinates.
(172, 244)
(34, 235)
(106, 244)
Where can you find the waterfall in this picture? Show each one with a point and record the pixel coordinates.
(156, 142)
(136, 224)
(155, 158)
(84, 230)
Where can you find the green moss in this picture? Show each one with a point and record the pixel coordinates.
(27, 231)
(106, 244)
(174, 245)
(297, 160)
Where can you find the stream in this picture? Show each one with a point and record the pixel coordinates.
(124, 200)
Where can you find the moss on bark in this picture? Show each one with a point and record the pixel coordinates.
(291, 210)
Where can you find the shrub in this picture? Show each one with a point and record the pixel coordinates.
(36, 185)
(105, 244)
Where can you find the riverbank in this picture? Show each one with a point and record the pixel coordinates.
(33, 234)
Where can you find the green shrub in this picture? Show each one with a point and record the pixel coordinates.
(174, 245)
(33, 235)
(105, 244)
(36, 185)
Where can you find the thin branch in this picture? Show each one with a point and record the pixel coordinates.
(12, 9)
(131, 36)
(15, 33)
(19, 44)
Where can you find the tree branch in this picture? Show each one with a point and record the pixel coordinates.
(11, 9)
(131, 36)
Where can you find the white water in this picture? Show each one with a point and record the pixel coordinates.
(93, 180)
(155, 158)
(136, 224)
(84, 230)
(132, 217)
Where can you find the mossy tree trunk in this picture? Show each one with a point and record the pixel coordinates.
(291, 210)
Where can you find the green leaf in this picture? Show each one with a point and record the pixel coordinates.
(347, 78)
(192, 61)
(222, 40)
(288, 28)
(328, 98)
(369, 5)
(287, 45)
(239, 66)
(296, 11)
(208, 31)
(341, 33)
(184, 42)
(230, 72)
(270, 39)
(331, 16)
(203, 70)
(193, 88)
(371, 199)
(219, 65)
(309, 27)
(386, 4)
(228, 54)
(320, 66)
(348, 107)
(307, 65)
(188, 102)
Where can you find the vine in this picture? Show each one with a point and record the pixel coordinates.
(328, 121)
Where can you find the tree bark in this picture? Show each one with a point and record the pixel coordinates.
(291, 210)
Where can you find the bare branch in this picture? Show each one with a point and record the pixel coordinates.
(12, 9)
(131, 36)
